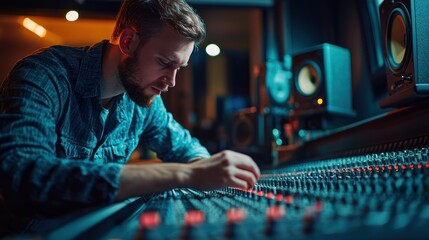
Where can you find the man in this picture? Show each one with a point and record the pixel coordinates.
(71, 117)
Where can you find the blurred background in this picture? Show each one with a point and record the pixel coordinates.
(243, 98)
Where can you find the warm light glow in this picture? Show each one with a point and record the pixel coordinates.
(212, 50)
(72, 16)
(34, 27)
(320, 101)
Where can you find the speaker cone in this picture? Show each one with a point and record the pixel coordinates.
(243, 131)
(308, 79)
(397, 39)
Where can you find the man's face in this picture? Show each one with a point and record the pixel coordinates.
(153, 66)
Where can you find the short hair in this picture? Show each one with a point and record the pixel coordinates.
(148, 16)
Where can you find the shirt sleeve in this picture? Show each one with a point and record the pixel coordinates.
(168, 138)
(30, 172)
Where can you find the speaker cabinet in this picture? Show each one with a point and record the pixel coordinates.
(405, 31)
(251, 134)
(322, 81)
(249, 129)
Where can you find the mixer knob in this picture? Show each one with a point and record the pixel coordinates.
(194, 217)
(149, 220)
(192, 220)
(235, 217)
(274, 215)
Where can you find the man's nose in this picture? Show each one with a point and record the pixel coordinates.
(171, 78)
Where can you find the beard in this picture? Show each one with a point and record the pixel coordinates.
(131, 83)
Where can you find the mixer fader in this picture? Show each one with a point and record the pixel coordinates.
(382, 195)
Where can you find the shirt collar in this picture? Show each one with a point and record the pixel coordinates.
(90, 73)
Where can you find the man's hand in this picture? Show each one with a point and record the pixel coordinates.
(224, 169)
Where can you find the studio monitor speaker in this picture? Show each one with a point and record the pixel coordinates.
(250, 134)
(405, 31)
(322, 81)
(248, 129)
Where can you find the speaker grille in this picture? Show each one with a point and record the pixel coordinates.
(398, 38)
(308, 78)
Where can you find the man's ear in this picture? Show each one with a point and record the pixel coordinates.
(128, 41)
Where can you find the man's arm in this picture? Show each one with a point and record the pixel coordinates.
(224, 169)
(32, 100)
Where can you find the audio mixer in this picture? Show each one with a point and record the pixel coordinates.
(383, 196)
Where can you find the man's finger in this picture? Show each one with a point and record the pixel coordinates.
(247, 176)
(239, 183)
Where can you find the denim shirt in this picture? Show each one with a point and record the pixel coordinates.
(58, 144)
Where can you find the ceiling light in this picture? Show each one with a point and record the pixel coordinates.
(34, 27)
(212, 50)
(72, 16)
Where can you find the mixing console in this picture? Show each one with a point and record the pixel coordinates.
(383, 196)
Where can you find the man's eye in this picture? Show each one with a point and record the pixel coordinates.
(163, 63)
